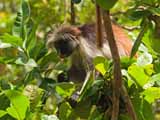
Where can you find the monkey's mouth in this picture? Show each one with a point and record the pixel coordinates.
(62, 56)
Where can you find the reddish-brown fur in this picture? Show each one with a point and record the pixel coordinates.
(122, 39)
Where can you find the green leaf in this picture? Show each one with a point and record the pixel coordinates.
(83, 109)
(2, 113)
(142, 108)
(22, 17)
(151, 94)
(25, 10)
(101, 64)
(149, 69)
(49, 57)
(155, 11)
(7, 60)
(34, 74)
(13, 40)
(19, 104)
(154, 80)
(129, 80)
(95, 114)
(97, 85)
(135, 14)
(126, 62)
(37, 50)
(124, 117)
(147, 110)
(17, 29)
(31, 41)
(29, 65)
(138, 74)
(106, 4)
(65, 89)
(64, 111)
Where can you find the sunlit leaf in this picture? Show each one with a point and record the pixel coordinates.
(65, 89)
(19, 104)
(138, 74)
(101, 64)
(129, 80)
(151, 94)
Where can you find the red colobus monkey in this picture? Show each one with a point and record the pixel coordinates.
(80, 44)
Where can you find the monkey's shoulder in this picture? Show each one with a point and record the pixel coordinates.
(88, 32)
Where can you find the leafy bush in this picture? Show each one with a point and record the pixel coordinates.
(28, 70)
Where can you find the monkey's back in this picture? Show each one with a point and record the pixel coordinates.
(88, 31)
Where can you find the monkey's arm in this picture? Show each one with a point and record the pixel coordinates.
(76, 74)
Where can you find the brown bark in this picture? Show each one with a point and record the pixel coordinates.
(73, 21)
(99, 36)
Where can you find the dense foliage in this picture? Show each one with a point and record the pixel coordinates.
(29, 88)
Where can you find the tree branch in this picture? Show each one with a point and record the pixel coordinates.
(118, 88)
(99, 36)
(72, 13)
(117, 81)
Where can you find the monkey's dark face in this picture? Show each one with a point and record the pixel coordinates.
(65, 47)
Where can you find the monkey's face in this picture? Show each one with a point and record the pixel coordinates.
(65, 47)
